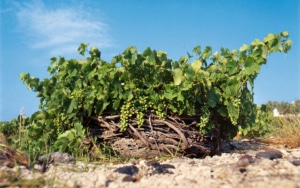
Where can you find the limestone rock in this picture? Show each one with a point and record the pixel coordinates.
(56, 157)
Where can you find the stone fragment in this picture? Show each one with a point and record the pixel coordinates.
(269, 154)
(129, 178)
(192, 163)
(252, 152)
(242, 170)
(248, 157)
(107, 182)
(226, 146)
(163, 169)
(152, 163)
(240, 145)
(56, 157)
(242, 163)
(295, 162)
(129, 170)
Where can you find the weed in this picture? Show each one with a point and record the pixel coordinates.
(285, 130)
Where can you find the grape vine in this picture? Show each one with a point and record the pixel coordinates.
(217, 87)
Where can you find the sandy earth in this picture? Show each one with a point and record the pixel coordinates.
(243, 164)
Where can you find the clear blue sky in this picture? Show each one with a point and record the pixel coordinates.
(34, 31)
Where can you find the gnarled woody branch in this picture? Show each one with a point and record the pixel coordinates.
(136, 133)
(185, 144)
(160, 136)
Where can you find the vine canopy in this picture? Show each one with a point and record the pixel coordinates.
(216, 89)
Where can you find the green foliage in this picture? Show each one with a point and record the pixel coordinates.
(262, 125)
(71, 139)
(9, 128)
(14, 129)
(217, 86)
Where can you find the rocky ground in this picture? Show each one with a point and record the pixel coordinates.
(241, 164)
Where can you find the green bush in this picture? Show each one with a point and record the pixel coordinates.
(218, 87)
(9, 128)
(262, 126)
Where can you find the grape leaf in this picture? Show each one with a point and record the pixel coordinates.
(251, 67)
(177, 76)
(197, 64)
(244, 48)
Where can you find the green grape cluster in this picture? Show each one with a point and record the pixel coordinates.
(59, 119)
(232, 119)
(140, 118)
(57, 122)
(149, 105)
(126, 112)
(141, 103)
(76, 94)
(236, 103)
(161, 110)
(204, 119)
(135, 107)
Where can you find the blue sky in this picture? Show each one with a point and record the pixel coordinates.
(33, 31)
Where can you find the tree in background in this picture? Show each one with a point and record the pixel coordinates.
(285, 108)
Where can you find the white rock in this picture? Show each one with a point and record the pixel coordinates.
(296, 154)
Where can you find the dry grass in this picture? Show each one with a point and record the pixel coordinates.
(286, 131)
